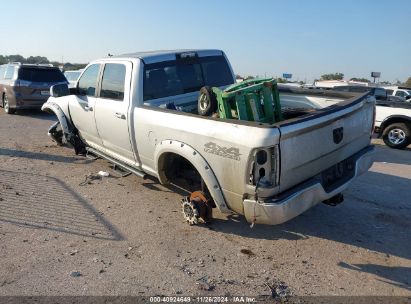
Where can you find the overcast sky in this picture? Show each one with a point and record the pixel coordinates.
(305, 38)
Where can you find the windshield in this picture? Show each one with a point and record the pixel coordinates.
(177, 77)
(72, 76)
(41, 75)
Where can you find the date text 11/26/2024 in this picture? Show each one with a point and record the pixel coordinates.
(203, 299)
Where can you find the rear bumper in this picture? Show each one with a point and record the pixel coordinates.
(276, 211)
(30, 103)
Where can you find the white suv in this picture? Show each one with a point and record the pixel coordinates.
(393, 123)
(402, 92)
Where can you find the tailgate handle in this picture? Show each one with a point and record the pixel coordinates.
(120, 115)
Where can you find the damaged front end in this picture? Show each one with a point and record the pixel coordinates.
(63, 132)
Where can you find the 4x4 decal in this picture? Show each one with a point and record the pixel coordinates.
(213, 148)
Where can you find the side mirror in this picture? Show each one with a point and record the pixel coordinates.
(408, 97)
(59, 90)
(73, 91)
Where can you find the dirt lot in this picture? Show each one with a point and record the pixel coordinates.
(125, 236)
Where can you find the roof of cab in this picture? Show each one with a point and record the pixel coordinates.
(164, 55)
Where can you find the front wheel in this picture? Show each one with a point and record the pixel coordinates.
(6, 105)
(397, 135)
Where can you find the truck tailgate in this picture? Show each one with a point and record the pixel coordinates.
(313, 144)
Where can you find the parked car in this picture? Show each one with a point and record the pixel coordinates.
(140, 111)
(72, 77)
(398, 91)
(393, 115)
(27, 86)
(377, 92)
(393, 123)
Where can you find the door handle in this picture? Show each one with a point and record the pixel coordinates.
(87, 108)
(120, 115)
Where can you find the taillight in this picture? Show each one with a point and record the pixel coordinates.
(373, 120)
(264, 167)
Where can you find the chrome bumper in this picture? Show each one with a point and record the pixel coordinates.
(275, 212)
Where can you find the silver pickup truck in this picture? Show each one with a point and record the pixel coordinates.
(140, 112)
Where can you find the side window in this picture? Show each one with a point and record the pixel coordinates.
(400, 93)
(9, 72)
(112, 85)
(2, 71)
(87, 84)
(358, 89)
(380, 94)
(389, 92)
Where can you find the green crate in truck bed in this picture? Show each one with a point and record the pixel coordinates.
(252, 100)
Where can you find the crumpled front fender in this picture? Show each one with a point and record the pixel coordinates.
(65, 124)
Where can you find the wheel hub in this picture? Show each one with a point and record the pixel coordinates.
(6, 104)
(396, 136)
(195, 207)
(203, 101)
(190, 211)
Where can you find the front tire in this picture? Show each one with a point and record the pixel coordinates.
(397, 135)
(6, 105)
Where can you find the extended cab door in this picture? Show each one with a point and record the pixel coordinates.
(82, 105)
(111, 110)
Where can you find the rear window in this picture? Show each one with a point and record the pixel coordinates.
(9, 72)
(176, 77)
(359, 89)
(2, 72)
(72, 76)
(41, 75)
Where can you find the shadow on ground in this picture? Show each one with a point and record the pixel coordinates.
(46, 202)
(41, 156)
(37, 114)
(396, 275)
(370, 218)
(389, 155)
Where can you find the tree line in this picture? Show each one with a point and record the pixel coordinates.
(339, 76)
(40, 60)
(76, 66)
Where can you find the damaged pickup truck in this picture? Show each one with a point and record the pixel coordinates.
(268, 153)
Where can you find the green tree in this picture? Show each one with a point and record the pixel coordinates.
(15, 58)
(335, 76)
(37, 60)
(408, 82)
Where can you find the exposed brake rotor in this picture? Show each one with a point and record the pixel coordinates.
(195, 207)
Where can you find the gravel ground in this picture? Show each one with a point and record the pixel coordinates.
(125, 236)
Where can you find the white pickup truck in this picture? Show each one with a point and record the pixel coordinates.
(140, 111)
(393, 123)
(401, 92)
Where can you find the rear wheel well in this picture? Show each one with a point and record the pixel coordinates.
(393, 120)
(177, 170)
